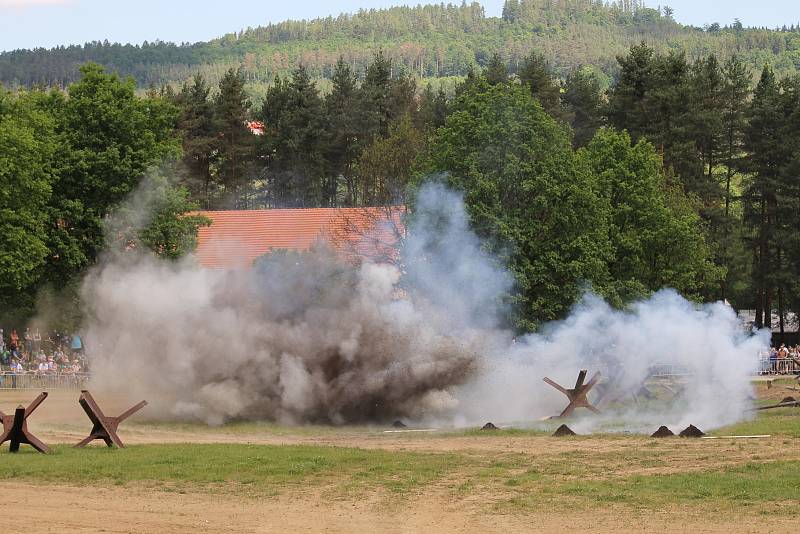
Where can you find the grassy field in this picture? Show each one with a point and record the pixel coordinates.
(571, 473)
(510, 473)
(257, 469)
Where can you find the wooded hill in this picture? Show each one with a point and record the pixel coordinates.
(431, 41)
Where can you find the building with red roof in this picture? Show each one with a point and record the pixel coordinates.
(235, 239)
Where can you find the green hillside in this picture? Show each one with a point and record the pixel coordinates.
(431, 41)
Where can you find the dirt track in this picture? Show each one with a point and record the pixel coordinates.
(54, 509)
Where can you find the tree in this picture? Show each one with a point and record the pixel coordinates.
(342, 133)
(26, 165)
(537, 75)
(385, 167)
(433, 108)
(511, 10)
(496, 71)
(628, 105)
(583, 104)
(472, 78)
(655, 235)
(374, 98)
(735, 93)
(293, 113)
(198, 124)
(236, 142)
(765, 153)
(667, 121)
(786, 262)
(108, 138)
(707, 85)
(158, 219)
(527, 195)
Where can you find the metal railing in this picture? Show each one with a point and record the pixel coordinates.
(780, 366)
(10, 380)
(667, 370)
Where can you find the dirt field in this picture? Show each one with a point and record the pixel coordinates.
(125, 510)
(491, 490)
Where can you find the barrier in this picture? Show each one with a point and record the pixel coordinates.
(781, 366)
(44, 381)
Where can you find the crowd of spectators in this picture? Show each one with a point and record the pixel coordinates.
(782, 360)
(31, 353)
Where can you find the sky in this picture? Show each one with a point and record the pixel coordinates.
(46, 23)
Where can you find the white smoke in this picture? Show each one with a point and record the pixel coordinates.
(702, 351)
(303, 338)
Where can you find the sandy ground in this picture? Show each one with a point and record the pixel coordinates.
(53, 508)
(71, 509)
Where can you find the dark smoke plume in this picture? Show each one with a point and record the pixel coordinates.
(302, 337)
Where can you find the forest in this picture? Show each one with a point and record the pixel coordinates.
(434, 43)
(682, 174)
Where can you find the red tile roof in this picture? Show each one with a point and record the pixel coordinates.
(236, 238)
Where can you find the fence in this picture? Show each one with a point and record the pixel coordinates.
(668, 370)
(43, 381)
(781, 366)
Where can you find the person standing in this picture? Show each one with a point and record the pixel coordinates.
(783, 358)
(28, 341)
(77, 344)
(37, 340)
(14, 340)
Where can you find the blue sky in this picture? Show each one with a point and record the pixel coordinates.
(32, 23)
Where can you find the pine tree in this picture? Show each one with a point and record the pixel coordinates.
(537, 74)
(433, 108)
(706, 83)
(235, 145)
(375, 106)
(472, 79)
(763, 144)
(496, 71)
(735, 92)
(583, 105)
(628, 106)
(667, 121)
(197, 122)
(704, 127)
(294, 142)
(787, 204)
(342, 133)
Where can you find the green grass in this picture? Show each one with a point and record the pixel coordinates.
(777, 422)
(629, 471)
(254, 468)
(503, 433)
(748, 484)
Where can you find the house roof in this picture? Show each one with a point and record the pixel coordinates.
(237, 238)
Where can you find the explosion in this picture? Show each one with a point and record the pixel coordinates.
(302, 337)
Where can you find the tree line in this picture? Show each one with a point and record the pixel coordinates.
(363, 143)
(351, 147)
(429, 41)
(70, 159)
(680, 175)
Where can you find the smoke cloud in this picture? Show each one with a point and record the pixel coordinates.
(663, 361)
(304, 338)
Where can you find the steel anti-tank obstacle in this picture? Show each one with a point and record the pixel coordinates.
(578, 395)
(105, 427)
(15, 427)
